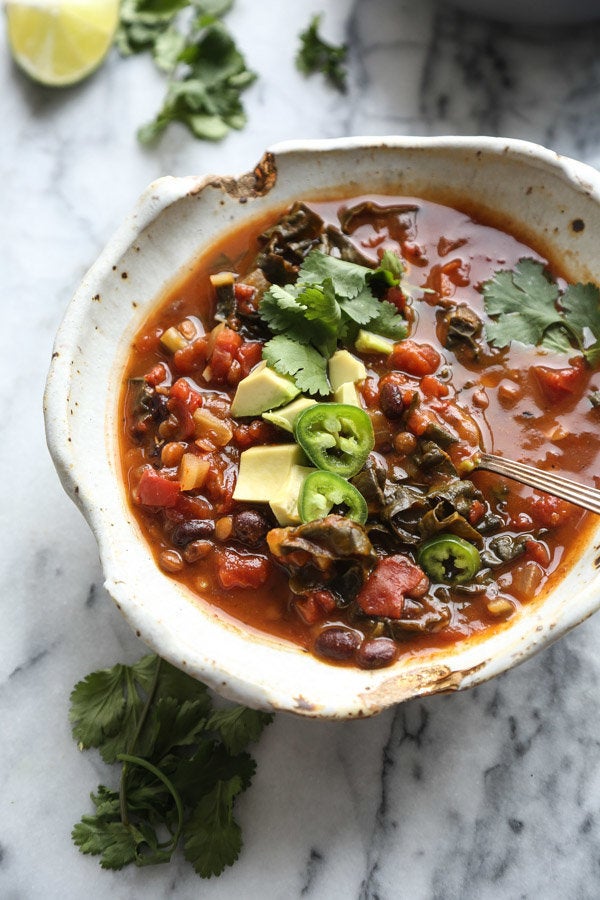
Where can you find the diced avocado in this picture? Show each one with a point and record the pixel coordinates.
(368, 342)
(287, 415)
(262, 389)
(347, 393)
(264, 471)
(285, 503)
(344, 367)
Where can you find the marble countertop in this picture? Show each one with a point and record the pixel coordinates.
(494, 793)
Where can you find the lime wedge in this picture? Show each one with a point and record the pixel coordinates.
(60, 42)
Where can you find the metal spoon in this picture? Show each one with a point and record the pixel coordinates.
(565, 488)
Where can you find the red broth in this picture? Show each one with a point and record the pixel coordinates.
(502, 393)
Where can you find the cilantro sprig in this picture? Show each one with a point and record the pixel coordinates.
(317, 55)
(331, 300)
(527, 305)
(207, 73)
(183, 764)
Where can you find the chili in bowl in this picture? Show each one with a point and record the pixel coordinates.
(297, 369)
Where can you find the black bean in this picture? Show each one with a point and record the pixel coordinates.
(193, 530)
(375, 653)
(250, 527)
(390, 400)
(337, 643)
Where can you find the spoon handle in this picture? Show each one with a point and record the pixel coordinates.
(579, 494)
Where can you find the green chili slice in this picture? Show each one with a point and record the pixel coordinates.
(449, 559)
(336, 437)
(324, 492)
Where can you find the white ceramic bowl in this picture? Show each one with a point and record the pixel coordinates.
(174, 221)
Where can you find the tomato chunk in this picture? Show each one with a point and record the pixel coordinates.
(235, 570)
(414, 358)
(248, 355)
(559, 384)
(548, 511)
(393, 579)
(315, 606)
(155, 490)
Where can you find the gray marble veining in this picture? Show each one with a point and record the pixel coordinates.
(484, 795)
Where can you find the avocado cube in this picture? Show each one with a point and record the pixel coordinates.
(344, 367)
(264, 470)
(261, 390)
(287, 415)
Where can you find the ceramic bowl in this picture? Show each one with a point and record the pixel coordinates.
(545, 197)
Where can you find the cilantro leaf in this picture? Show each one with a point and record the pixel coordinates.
(303, 362)
(284, 313)
(525, 301)
(389, 271)
(116, 843)
(348, 278)
(361, 309)
(238, 726)
(213, 839)
(317, 55)
(97, 706)
(388, 322)
(581, 304)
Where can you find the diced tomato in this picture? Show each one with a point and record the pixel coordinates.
(191, 357)
(315, 606)
(418, 419)
(226, 345)
(149, 341)
(220, 483)
(235, 570)
(370, 392)
(183, 402)
(548, 511)
(248, 355)
(234, 376)
(414, 358)
(537, 551)
(257, 432)
(397, 297)
(433, 387)
(156, 375)
(559, 384)
(155, 490)
(246, 297)
(476, 511)
(182, 391)
(188, 507)
(394, 578)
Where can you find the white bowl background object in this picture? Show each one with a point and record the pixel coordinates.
(174, 222)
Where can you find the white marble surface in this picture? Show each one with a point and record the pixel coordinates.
(489, 794)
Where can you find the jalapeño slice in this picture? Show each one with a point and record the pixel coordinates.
(449, 559)
(336, 437)
(324, 492)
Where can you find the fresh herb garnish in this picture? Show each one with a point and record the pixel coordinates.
(331, 300)
(317, 55)
(207, 72)
(531, 309)
(182, 766)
